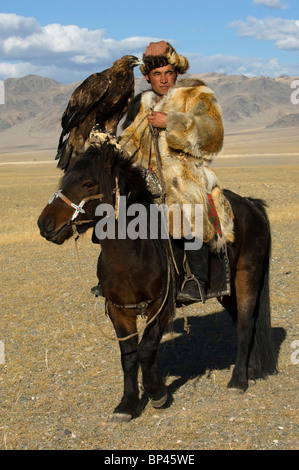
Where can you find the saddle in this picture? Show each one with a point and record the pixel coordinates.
(218, 273)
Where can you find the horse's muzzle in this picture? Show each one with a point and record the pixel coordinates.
(48, 230)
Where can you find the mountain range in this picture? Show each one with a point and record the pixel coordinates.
(30, 117)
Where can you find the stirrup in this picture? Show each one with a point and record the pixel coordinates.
(185, 297)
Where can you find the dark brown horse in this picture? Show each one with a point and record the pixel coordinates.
(137, 277)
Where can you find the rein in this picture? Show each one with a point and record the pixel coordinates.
(159, 162)
(141, 305)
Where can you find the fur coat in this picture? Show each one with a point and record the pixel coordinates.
(193, 136)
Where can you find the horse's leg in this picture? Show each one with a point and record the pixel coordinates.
(147, 353)
(246, 296)
(125, 325)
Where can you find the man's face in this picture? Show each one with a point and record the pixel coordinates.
(162, 79)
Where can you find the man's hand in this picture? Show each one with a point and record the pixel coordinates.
(157, 119)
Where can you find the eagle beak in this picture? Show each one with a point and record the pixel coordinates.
(139, 62)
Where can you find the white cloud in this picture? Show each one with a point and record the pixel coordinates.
(12, 24)
(273, 4)
(25, 44)
(20, 69)
(68, 53)
(284, 33)
(232, 65)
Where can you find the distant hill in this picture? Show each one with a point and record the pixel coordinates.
(254, 102)
(289, 120)
(30, 117)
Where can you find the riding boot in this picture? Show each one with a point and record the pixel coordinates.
(94, 238)
(97, 291)
(194, 285)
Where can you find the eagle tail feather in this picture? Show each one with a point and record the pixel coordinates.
(64, 155)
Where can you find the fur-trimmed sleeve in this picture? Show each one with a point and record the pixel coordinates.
(199, 130)
(128, 141)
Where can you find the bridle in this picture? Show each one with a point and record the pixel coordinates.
(141, 306)
(78, 208)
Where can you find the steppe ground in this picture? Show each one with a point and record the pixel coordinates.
(60, 379)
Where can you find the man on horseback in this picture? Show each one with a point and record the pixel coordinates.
(185, 119)
(174, 130)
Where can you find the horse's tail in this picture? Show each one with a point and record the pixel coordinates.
(263, 346)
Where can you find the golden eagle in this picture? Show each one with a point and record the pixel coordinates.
(101, 99)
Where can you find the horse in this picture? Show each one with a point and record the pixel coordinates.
(138, 278)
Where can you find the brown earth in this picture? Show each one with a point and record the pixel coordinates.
(61, 379)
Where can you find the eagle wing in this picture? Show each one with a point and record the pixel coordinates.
(101, 99)
(85, 99)
(81, 105)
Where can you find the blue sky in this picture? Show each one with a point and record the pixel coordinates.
(68, 39)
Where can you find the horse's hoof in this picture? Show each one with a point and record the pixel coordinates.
(159, 403)
(235, 391)
(118, 418)
(236, 388)
(238, 384)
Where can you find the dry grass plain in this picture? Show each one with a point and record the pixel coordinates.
(61, 379)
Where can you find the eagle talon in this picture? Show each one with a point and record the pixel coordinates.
(97, 136)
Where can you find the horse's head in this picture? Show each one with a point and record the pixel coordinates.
(82, 188)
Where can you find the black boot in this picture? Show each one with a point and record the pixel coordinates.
(94, 238)
(194, 285)
(97, 291)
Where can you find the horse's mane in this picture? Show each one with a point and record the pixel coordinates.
(105, 163)
(132, 181)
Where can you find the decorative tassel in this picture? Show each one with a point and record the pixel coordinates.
(213, 216)
(117, 196)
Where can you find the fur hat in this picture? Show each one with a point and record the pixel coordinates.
(159, 54)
